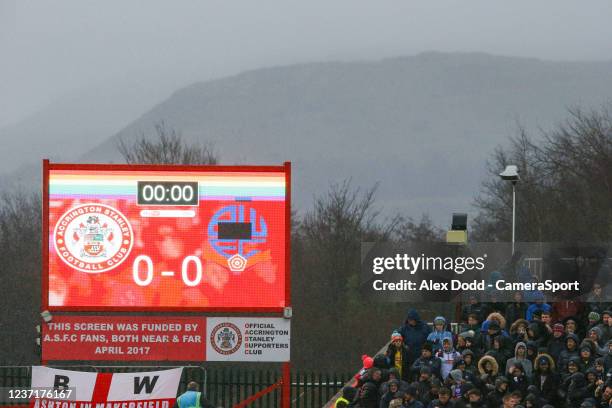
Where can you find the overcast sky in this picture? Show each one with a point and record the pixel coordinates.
(49, 49)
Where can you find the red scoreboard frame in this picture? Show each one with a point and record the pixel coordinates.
(91, 221)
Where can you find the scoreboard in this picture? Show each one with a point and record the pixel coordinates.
(177, 238)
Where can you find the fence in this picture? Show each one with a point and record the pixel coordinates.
(225, 387)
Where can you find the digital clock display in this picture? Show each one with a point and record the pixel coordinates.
(168, 193)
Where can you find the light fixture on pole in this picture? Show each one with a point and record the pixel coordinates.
(511, 173)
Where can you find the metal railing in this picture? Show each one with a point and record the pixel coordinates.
(225, 387)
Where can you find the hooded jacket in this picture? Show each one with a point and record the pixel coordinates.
(368, 396)
(448, 358)
(577, 390)
(495, 397)
(540, 333)
(514, 334)
(527, 366)
(566, 354)
(388, 396)
(414, 336)
(436, 336)
(556, 346)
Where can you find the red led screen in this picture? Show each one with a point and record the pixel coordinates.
(166, 237)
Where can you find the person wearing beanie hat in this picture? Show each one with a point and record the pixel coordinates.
(367, 363)
(347, 397)
(456, 375)
(593, 318)
(456, 381)
(545, 377)
(398, 355)
(557, 343)
(423, 384)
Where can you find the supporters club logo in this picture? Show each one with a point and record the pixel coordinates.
(226, 338)
(93, 238)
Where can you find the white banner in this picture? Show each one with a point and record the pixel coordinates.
(264, 339)
(153, 389)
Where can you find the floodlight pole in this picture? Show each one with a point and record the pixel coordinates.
(513, 213)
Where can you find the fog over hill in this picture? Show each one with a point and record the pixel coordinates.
(422, 126)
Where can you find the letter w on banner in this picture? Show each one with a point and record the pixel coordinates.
(152, 389)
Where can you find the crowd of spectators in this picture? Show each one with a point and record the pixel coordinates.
(512, 355)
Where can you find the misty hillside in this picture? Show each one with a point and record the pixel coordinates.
(74, 124)
(423, 126)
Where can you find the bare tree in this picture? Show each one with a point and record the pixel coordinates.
(169, 148)
(20, 252)
(565, 189)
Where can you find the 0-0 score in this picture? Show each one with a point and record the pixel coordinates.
(188, 279)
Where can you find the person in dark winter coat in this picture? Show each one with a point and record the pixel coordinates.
(389, 395)
(347, 397)
(394, 375)
(608, 358)
(423, 384)
(577, 391)
(471, 364)
(586, 357)
(410, 400)
(517, 309)
(518, 330)
(538, 333)
(368, 396)
(443, 400)
(557, 343)
(571, 350)
(427, 359)
(474, 399)
(495, 398)
(545, 378)
(518, 380)
(488, 370)
(414, 332)
(398, 355)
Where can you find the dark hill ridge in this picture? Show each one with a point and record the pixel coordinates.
(423, 126)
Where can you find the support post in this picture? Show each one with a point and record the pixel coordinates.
(513, 214)
(286, 400)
